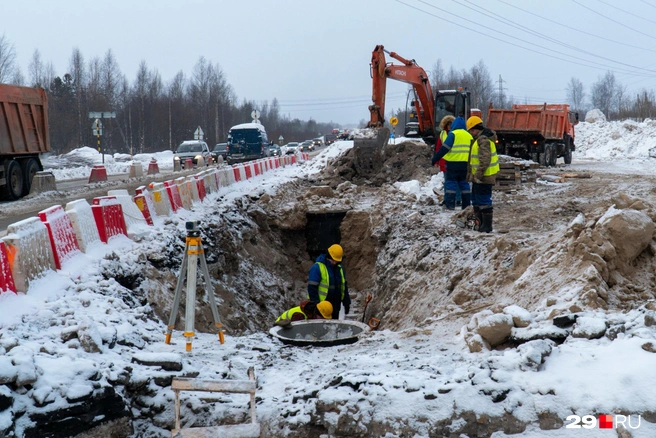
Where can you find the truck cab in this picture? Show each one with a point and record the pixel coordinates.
(247, 141)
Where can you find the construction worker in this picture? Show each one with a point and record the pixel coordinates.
(484, 165)
(445, 128)
(306, 310)
(326, 281)
(455, 150)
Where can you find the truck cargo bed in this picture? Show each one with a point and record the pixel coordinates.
(23, 120)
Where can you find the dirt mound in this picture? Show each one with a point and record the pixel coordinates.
(404, 161)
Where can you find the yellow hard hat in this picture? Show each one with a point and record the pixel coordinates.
(336, 252)
(473, 121)
(326, 309)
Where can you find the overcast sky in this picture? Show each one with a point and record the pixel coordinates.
(313, 56)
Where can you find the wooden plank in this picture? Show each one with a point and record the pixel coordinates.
(236, 386)
(553, 178)
(576, 175)
(232, 431)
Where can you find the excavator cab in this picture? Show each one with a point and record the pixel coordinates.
(456, 103)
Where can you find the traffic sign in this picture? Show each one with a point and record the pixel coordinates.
(96, 126)
(394, 121)
(255, 114)
(198, 134)
(102, 115)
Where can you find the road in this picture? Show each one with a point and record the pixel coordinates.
(72, 189)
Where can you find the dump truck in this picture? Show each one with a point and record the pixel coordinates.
(542, 133)
(23, 137)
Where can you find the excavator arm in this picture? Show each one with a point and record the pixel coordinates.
(409, 72)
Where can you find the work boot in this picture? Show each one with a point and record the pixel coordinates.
(479, 218)
(486, 223)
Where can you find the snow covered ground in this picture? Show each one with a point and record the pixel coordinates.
(79, 330)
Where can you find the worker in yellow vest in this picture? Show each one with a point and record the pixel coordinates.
(306, 310)
(327, 281)
(483, 168)
(455, 150)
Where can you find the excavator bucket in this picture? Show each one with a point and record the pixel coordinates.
(368, 158)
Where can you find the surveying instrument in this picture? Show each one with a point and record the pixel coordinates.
(193, 252)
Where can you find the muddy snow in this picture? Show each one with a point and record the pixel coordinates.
(481, 335)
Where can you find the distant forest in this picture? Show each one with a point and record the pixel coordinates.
(151, 114)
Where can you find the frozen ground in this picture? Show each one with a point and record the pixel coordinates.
(82, 330)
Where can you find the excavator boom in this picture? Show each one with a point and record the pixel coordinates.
(409, 72)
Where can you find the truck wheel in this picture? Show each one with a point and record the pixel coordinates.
(542, 158)
(30, 167)
(13, 189)
(553, 156)
(568, 155)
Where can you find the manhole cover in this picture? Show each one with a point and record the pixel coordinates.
(320, 333)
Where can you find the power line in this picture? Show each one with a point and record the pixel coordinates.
(648, 4)
(575, 29)
(545, 37)
(627, 12)
(614, 21)
(599, 66)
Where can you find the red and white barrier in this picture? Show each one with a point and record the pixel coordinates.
(84, 225)
(174, 195)
(142, 205)
(161, 199)
(153, 167)
(148, 199)
(248, 170)
(6, 277)
(98, 174)
(62, 235)
(134, 218)
(192, 186)
(29, 250)
(200, 186)
(185, 193)
(108, 214)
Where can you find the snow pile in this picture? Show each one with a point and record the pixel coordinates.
(78, 162)
(603, 140)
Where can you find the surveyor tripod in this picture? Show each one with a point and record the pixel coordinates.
(193, 252)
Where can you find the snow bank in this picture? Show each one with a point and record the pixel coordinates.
(602, 140)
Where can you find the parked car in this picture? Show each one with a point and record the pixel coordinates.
(307, 146)
(318, 142)
(292, 147)
(275, 151)
(221, 149)
(193, 149)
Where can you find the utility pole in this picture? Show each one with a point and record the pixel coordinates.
(502, 98)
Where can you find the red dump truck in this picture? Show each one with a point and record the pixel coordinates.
(23, 137)
(541, 133)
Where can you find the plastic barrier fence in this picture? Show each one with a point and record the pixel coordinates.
(200, 186)
(174, 195)
(6, 277)
(142, 205)
(134, 218)
(161, 199)
(108, 214)
(29, 251)
(84, 225)
(149, 202)
(185, 193)
(62, 235)
(192, 186)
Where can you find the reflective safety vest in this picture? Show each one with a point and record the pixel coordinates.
(493, 168)
(325, 286)
(461, 144)
(443, 135)
(288, 314)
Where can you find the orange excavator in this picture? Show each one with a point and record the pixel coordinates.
(429, 106)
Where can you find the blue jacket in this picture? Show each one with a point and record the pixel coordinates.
(458, 123)
(334, 296)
